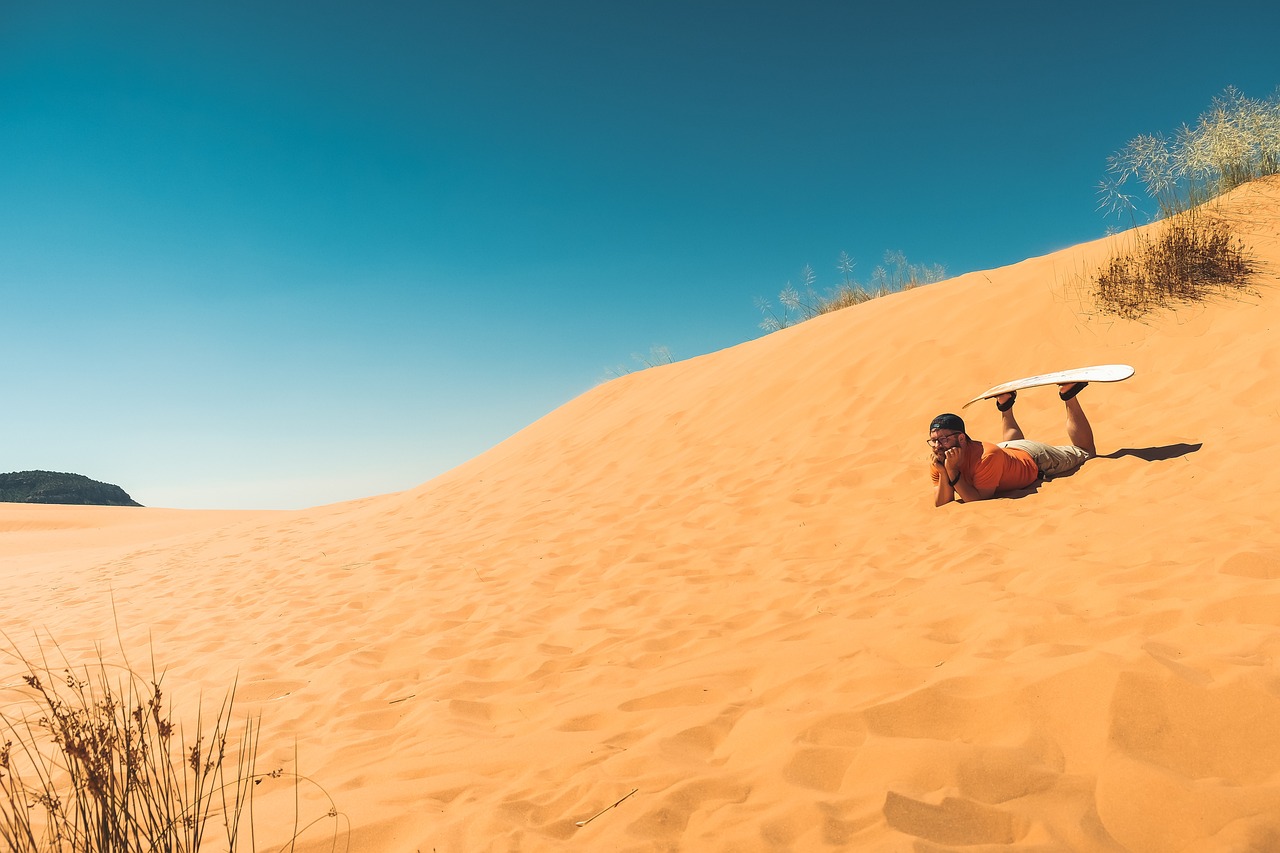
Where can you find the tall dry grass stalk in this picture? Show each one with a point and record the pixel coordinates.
(797, 304)
(1194, 254)
(658, 355)
(1235, 141)
(92, 760)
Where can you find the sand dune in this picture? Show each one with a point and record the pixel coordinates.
(722, 584)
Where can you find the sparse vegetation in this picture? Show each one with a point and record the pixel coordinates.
(797, 304)
(657, 355)
(1194, 254)
(91, 761)
(1235, 141)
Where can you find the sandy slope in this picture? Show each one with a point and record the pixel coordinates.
(722, 584)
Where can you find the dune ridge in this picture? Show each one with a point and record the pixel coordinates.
(721, 584)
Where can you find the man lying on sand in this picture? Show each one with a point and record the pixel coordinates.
(977, 470)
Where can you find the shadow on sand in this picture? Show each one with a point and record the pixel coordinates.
(1148, 454)
(1155, 454)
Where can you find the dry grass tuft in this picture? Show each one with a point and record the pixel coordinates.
(1194, 256)
(91, 760)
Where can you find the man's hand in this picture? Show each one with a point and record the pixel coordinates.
(951, 462)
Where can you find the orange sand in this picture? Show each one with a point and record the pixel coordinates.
(722, 584)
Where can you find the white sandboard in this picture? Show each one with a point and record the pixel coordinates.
(1097, 373)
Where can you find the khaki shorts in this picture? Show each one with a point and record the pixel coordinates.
(1053, 461)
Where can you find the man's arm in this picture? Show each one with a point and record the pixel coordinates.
(946, 494)
(963, 489)
(969, 493)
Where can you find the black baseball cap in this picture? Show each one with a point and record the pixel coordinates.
(947, 421)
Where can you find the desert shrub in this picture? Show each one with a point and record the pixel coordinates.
(92, 760)
(797, 304)
(1192, 256)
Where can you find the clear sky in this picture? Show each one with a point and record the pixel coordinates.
(276, 254)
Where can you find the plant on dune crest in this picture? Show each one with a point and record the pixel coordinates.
(1194, 253)
(91, 760)
(1193, 256)
(804, 303)
(658, 355)
(1235, 141)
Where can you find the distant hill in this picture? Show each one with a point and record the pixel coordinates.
(48, 487)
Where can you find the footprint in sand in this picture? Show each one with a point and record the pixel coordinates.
(1252, 564)
(825, 751)
(699, 743)
(953, 821)
(670, 817)
(1190, 763)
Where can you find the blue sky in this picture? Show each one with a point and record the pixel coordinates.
(278, 254)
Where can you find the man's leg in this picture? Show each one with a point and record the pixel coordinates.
(1079, 432)
(1009, 424)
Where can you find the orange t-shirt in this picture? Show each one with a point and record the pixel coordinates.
(987, 466)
